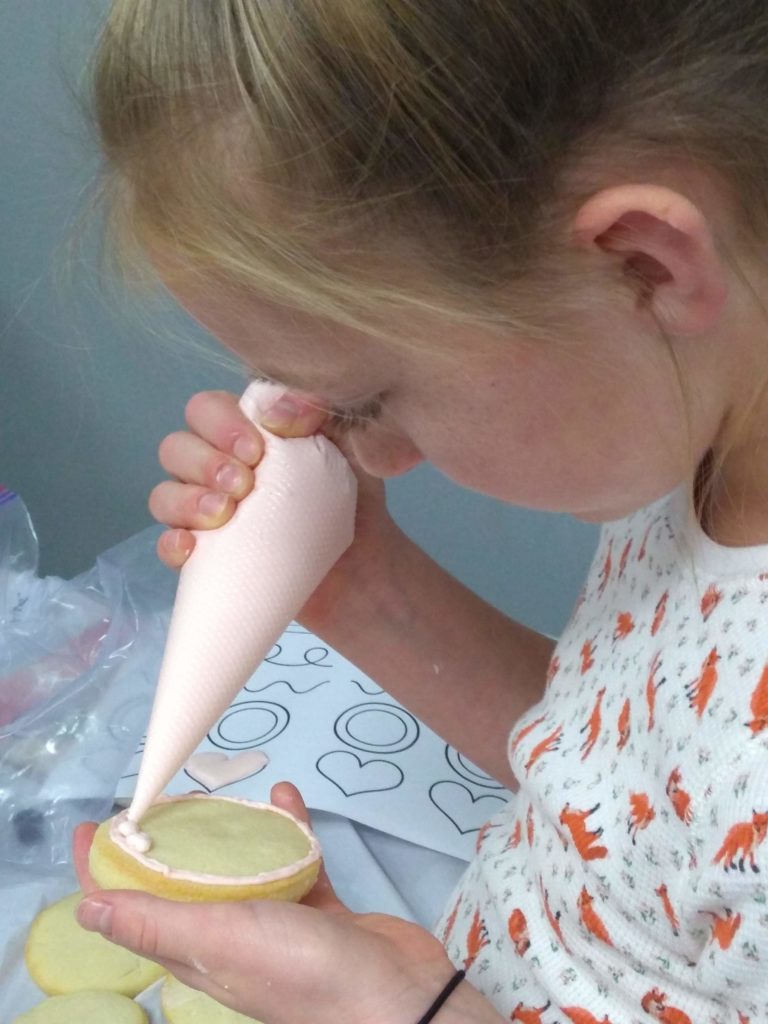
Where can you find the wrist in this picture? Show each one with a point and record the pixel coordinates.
(358, 588)
(463, 1004)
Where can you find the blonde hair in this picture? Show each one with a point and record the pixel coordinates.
(318, 150)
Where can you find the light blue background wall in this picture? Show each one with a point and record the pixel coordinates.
(88, 385)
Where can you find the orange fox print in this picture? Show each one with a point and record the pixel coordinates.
(663, 893)
(743, 1018)
(545, 746)
(605, 572)
(577, 1015)
(481, 835)
(590, 918)
(741, 842)
(553, 668)
(593, 725)
(651, 688)
(587, 656)
(451, 921)
(711, 599)
(520, 736)
(583, 839)
(641, 814)
(624, 626)
(529, 1014)
(624, 725)
(518, 932)
(554, 919)
(515, 836)
(624, 557)
(758, 704)
(680, 800)
(659, 613)
(700, 690)
(655, 1003)
(477, 939)
(530, 826)
(646, 535)
(724, 928)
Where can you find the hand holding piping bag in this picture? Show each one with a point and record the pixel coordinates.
(245, 583)
(284, 962)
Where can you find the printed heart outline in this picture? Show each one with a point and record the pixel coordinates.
(360, 766)
(220, 758)
(474, 799)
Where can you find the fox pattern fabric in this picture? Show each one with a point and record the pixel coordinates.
(628, 879)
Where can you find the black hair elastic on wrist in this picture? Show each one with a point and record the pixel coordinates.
(455, 981)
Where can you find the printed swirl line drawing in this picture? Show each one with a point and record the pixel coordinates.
(354, 777)
(284, 682)
(468, 771)
(250, 724)
(373, 692)
(377, 728)
(465, 811)
(213, 769)
(313, 657)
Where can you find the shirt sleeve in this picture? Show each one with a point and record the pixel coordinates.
(731, 893)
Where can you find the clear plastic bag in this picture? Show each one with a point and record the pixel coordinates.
(78, 661)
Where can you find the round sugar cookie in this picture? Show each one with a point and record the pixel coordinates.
(85, 1008)
(62, 957)
(208, 848)
(184, 1005)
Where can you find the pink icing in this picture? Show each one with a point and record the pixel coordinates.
(121, 824)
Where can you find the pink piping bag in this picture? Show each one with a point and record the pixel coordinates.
(241, 587)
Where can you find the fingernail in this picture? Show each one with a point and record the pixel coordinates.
(212, 505)
(289, 416)
(247, 449)
(95, 916)
(230, 479)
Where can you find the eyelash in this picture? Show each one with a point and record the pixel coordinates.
(346, 420)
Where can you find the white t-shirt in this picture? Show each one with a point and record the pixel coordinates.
(628, 879)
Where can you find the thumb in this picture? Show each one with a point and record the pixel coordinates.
(293, 416)
(167, 931)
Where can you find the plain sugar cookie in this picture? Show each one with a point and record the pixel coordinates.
(184, 1005)
(199, 847)
(85, 1008)
(62, 957)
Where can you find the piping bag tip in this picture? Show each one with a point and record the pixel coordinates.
(241, 587)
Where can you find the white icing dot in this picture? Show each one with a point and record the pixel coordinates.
(139, 841)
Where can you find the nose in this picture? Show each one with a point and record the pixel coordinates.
(382, 452)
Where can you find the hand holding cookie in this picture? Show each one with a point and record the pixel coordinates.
(278, 962)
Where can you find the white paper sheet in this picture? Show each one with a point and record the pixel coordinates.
(349, 747)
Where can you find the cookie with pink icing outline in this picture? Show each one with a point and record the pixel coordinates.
(199, 848)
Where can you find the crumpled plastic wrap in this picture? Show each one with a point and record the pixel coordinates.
(78, 663)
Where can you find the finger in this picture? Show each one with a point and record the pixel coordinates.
(190, 506)
(81, 847)
(322, 896)
(195, 461)
(294, 416)
(217, 418)
(174, 547)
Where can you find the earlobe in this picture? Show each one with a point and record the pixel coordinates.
(665, 247)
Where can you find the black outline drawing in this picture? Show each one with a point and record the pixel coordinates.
(371, 693)
(277, 650)
(409, 738)
(281, 715)
(473, 798)
(224, 785)
(468, 771)
(361, 765)
(285, 682)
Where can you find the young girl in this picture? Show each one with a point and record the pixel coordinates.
(525, 242)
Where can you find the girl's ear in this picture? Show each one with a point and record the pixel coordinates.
(665, 246)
